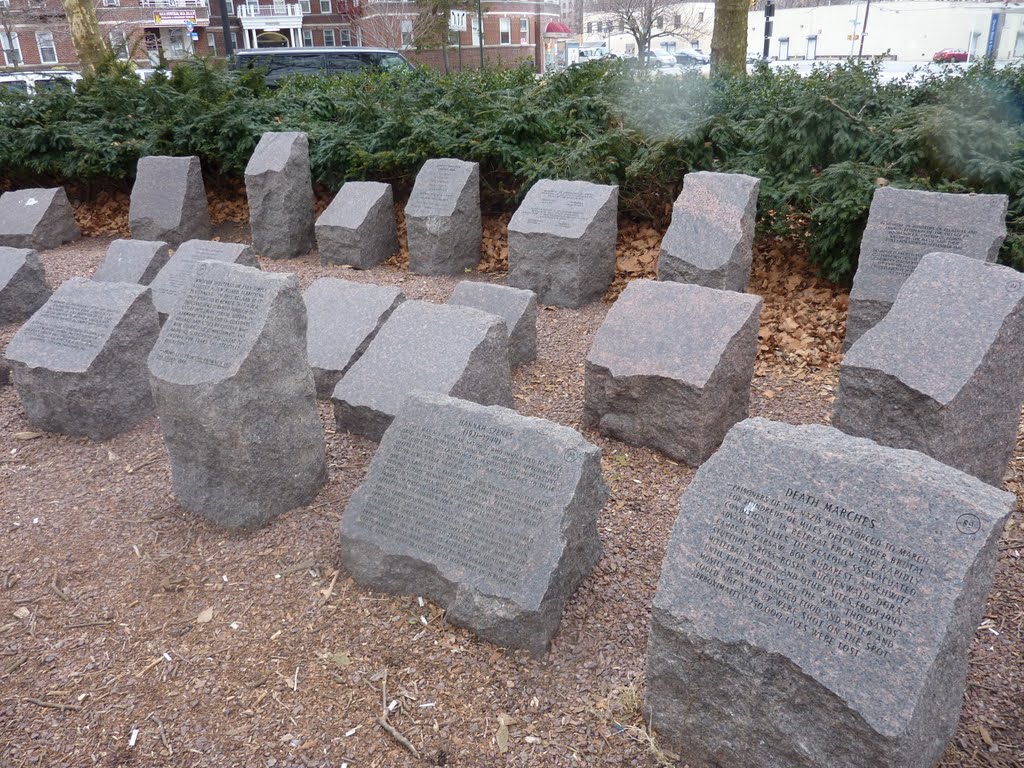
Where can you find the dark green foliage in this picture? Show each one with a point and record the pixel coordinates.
(820, 143)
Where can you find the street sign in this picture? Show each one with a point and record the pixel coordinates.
(457, 20)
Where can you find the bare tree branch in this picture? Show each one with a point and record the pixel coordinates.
(647, 20)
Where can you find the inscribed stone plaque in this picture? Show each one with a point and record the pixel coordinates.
(358, 228)
(173, 280)
(23, 287)
(236, 398)
(442, 218)
(489, 513)
(36, 218)
(343, 319)
(132, 261)
(279, 188)
(904, 225)
(518, 308)
(79, 363)
(561, 241)
(816, 602)
(711, 237)
(168, 201)
(942, 372)
(670, 367)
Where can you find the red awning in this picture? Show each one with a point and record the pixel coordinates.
(557, 28)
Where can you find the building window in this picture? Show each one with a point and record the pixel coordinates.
(590, 27)
(329, 38)
(346, 37)
(307, 38)
(211, 43)
(325, 6)
(677, 20)
(505, 31)
(12, 50)
(111, 3)
(524, 31)
(622, 26)
(659, 22)
(119, 43)
(176, 48)
(406, 33)
(700, 17)
(306, 8)
(47, 50)
(476, 30)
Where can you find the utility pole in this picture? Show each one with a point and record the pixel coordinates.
(769, 12)
(480, 27)
(225, 23)
(864, 30)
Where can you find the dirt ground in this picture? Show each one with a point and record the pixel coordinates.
(133, 633)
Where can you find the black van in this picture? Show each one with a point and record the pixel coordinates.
(281, 62)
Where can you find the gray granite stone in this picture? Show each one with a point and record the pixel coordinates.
(942, 372)
(79, 363)
(816, 603)
(518, 308)
(37, 218)
(279, 186)
(5, 372)
(491, 514)
(168, 201)
(173, 279)
(442, 218)
(561, 241)
(343, 319)
(447, 350)
(904, 225)
(670, 367)
(358, 228)
(236, 398)
(132, 261)
(711, 238)
(23, 287)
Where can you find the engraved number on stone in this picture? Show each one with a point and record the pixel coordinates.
(968, 524)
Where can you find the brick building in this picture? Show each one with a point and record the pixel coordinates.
(34, 34)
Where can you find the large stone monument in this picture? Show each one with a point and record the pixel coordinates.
(710, 240)
(169, 201)
(36, 218)
(904, 225)
(942, 372)
(817, 601)
(561, 241)
(23, 287)
(174, 278)
(442, 218)
(518, 308)
(79, 363)
(447, 350)
(236, 398)
(343, 319)
(489, 513)
(358, 228)
(670, 368)
(132, 261)
(279, 186)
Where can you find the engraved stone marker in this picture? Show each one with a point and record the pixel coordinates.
(172, 281)
(169, 201)
(358, 228)
(942, 372)
(491, 514)
(711, 237)
(236, 398)
(79, 363)
(516, 307)
(132, 261)
(816, 602)
(343, 319)
(279, 187)
(37, 218)
(423, 347)
(904, 225)
(670, 367)
(23, 287)
(442, 218)
(561, 241)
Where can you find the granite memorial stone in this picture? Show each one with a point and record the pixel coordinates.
(904, 225)
(670, 368)
(561, 241)
(447, 350)
(5, 372)
(816, 603)
(79, 363)
(132, 261)
(279, 187)
(942, 372)
(36, 218)
(518, 308)
(23, 287)
(168, 201)
(442, 218)
(489, 513)
(358, 228)
(173, 280)
(343, 319)
(711, 238)
(236, 398)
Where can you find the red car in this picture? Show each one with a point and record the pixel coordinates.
(950, 54)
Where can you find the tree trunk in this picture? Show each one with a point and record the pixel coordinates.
(85, 33)
(729, 39)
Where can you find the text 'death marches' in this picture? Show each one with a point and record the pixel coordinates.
(71, 325)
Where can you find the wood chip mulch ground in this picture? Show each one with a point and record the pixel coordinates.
(133, 633)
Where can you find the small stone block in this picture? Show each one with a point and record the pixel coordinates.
(358, 228)
(442, 218)
(518, 308)
(23, 287)
(168, 202)
(132, 261)
(279, 187)
(37, 218)
(173, 280)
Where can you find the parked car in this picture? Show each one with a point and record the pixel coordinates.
(661, 59)
(281, 62)
(594, 53)
(947, 55)
(691, 58)
(33, 81)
